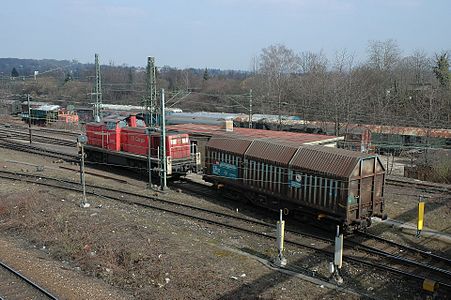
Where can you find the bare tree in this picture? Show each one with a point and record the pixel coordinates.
(343, 93)
(312, 84)
(278, 66)
(383, 55)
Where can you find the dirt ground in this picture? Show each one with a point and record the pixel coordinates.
(137, 253)
(402, 205)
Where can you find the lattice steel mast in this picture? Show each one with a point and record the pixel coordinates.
(150, 101)
(98, 91)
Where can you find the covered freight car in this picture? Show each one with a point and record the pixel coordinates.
(327, 183)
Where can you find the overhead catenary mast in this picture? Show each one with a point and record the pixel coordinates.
(150, 108)
(98, 91)
(150, 100)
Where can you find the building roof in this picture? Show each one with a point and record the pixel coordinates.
(34, 103)
(296, 137)
(121, 107)
(47, 107)
(8, 101)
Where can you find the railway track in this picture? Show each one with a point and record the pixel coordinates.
(402, 259)
(72, 134)
(355, 252)
(37, 138)
(422, 186)
(433, 260)
(42, 129)
(12, 145)
(21, 133)
(13, 285)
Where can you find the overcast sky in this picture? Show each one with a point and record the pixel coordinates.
(222, 34)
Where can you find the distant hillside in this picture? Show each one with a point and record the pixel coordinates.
(73, 81)
(26, 67)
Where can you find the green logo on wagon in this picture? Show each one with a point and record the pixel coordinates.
(225, 170)
(295, 184)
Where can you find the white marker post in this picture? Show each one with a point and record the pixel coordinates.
(338, 256)
(280, 260)
(82, 139)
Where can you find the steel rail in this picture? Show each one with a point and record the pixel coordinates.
(420, 251)
(28, 281)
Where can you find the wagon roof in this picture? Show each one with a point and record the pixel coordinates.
(331, 161)
(272, 150)
(230, 143)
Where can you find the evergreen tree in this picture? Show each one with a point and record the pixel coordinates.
(68, 78)
(441, 69)
(14, 73)
(206, 76)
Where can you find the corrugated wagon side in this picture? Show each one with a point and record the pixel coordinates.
(343, 185)
(224, 159)
(266, 170)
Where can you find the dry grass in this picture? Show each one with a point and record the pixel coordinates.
(104, 246)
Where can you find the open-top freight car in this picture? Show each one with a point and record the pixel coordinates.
(119, 141)
(343, 186)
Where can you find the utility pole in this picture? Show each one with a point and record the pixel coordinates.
(164, 162)
(250, 108)
(98, 92)
(151, 92)
(29, 117)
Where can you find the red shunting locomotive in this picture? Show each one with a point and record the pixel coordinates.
(124, 141)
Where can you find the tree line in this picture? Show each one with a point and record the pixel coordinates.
(386, 88)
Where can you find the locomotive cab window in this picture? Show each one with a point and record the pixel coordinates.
(111, 125)
(122, 124)
(140, 123)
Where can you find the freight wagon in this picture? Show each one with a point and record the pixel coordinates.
(118, 141)
(10, 107)
(343, 186)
